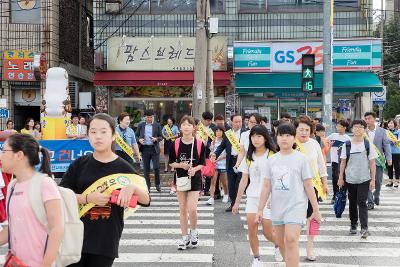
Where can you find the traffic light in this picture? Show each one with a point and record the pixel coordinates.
(307, 72)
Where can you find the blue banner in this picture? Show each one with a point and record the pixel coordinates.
(64, 152)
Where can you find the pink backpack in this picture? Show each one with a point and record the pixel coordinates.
(178, 141)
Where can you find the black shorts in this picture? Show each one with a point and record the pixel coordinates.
(309, 208)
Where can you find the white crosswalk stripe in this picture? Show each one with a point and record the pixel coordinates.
(335, 242)
(151, 235)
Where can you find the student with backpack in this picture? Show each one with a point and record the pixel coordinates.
(261, 147)
(103, 222)
(288, 179)
(29, 241)
(187, 159)
(357, 173)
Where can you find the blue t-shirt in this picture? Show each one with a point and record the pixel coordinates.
(128, 135)
(394, 148)
(174, 130)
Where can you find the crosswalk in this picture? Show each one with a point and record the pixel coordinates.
(334, 246)
(150, 236)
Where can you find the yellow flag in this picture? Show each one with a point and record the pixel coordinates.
(317, 182)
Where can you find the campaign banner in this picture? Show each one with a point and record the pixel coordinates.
(64, 152)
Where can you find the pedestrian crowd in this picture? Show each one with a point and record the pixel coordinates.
(282, 173)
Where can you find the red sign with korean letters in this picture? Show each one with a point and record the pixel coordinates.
(18, 65)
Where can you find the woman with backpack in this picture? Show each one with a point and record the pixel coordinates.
(104, 222)
(187, 158)
(28, 240)
(253, 168)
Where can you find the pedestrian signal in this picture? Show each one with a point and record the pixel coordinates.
(307, 72)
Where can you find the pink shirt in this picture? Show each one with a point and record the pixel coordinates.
(28, 236)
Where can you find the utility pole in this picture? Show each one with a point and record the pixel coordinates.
(383, 18)
(210, 74)
(200, 62)
(327, 92)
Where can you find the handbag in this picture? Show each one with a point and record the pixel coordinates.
(11, 259)
(184, 183)
(340, 202)
(209, 169)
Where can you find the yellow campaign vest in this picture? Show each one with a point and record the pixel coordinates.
(316, 180)
(124, 146)
(169, 132)
(390, 135)
(110, 183)
(233, 140)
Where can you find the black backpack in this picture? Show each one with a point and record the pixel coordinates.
(348, 149)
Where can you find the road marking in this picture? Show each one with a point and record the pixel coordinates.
(205, 208)
(164, 257)
(164, 222)
(163, 231)
(171, 203)
(161, 242)
(346, 239)
(166, 214)
(347, 228)
(347, 252)
(334, 219)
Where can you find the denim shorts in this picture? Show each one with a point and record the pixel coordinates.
(221, 170)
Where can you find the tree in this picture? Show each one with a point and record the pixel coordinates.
(392, 106)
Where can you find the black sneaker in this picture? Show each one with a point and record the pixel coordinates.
(364, 233)
(370, 206)
(389, 185)
(229, 209)
(353, 229)
(376, 201)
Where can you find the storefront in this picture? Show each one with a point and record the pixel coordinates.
(268, 79)
(157, 73)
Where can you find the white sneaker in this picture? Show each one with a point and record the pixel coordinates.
(225, 199)
(210, 201)
(278, 255)
(194, 238)
(183, 243)
(257, 263)
(222, 193)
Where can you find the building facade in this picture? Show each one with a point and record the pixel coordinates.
(239, 20)
(59, 31)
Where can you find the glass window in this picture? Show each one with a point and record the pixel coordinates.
(217, 6)
(25, 12)
(252, 6)
(298, 4)
(136, 6)
(173, 6)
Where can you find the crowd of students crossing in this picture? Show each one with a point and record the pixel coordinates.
(282, 173)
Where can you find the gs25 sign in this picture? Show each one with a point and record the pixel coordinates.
(287, 56)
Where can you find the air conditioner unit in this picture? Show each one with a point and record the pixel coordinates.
(73, 93)
(113, 6)
(85, 100)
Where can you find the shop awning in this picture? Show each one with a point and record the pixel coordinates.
(291, 82)
(155, 78)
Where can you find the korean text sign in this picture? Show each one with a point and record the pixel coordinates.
(18, 65)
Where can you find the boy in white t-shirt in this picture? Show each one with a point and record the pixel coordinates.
(357, 174)
(337, 140)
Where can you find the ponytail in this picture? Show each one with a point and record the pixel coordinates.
(45, 166)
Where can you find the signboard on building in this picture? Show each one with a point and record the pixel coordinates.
(4, 113)
(348, 55)
(18, 65)
(379, 98)
(161, 54)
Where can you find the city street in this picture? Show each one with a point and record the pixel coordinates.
(150, 237)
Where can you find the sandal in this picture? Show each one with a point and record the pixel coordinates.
(311, 258)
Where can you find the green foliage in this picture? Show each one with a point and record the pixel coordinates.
(134, 114)
(392, 105)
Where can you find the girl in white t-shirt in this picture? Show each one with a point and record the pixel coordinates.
(252, 167)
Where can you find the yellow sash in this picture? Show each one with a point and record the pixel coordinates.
(317, 182)
(201, 132)
(381, 159)
(124, 146)
(169, 132)
(248, 162)
(110, 183)
(73, 129)
(392, 136)
(233, 140)
(211, 134)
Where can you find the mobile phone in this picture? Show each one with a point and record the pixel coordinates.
(235, 169)
(114, 199)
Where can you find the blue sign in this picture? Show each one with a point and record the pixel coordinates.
(4, 113)
(64, 152)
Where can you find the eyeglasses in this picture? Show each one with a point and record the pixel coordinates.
(5, 150)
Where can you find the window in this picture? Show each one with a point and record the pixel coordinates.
(25, 12)
(252, 6)
(307, 4)
(173, 6)
(136, 6)
(217, 6)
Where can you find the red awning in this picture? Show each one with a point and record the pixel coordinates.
(155, 78)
